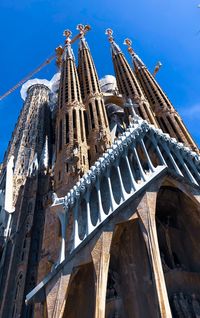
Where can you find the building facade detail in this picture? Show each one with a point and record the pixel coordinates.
(128, 84)
(99, 196)
(71, 143)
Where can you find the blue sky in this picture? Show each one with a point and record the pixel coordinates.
(165, 30)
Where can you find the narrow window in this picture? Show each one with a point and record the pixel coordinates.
(67, 127)
(98, 114)
(74, 123)
(91, 115)
(89, 158)
(81, 122)
(60, 135)
(104, 113)
(86, 124)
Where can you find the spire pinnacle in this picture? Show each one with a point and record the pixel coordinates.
(67, 33)
(68, 50)
(137, 61)
(115, 48)
(83, 29)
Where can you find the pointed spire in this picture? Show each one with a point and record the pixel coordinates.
(86, 68)
(96, 121)
(127, 82)
(83, 29)
(70, 128)
(69, 84)
(68, 52)
(136, 59)
(115, 48)
(167, 117)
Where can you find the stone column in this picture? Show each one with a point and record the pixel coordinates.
(101, 258)
(146, 211)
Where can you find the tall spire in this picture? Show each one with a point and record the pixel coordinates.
(71, 152)
(96, 121)
(127, 82)
(167, 117)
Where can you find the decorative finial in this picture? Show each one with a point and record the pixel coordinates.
(83, 29)
(157, 68)
(109, 33)
(128, 42)
(67, 34)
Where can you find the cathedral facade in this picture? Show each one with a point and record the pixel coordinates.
(99, 196)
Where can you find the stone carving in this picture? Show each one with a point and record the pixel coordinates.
(127, 141)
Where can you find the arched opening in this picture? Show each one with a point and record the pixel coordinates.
(115, 182)
(178, 226)
(105, 195)
(134, 165)
(82, 219)
(94, 206)
(152, 152)
(81, 298)
(126, 178)
(130, 287)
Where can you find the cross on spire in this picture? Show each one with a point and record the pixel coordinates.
(83, 29)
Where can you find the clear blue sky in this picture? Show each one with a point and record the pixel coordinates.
(165, 30)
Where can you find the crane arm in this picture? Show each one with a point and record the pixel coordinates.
(28, 76)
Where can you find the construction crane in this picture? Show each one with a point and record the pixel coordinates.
(59, 51)
(28, 76)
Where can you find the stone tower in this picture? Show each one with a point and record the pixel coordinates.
(106, 221)
(96, 121)
(128, 84)
(30, 149)
(71, 144)
(167, 117)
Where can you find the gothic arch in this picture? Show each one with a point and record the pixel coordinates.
(80, 301)
(178, 226)
(130, 287)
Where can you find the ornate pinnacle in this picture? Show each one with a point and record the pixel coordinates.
(67, 34)
(83, 29)
(157, 68)
(128, 42)
(109, 33)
